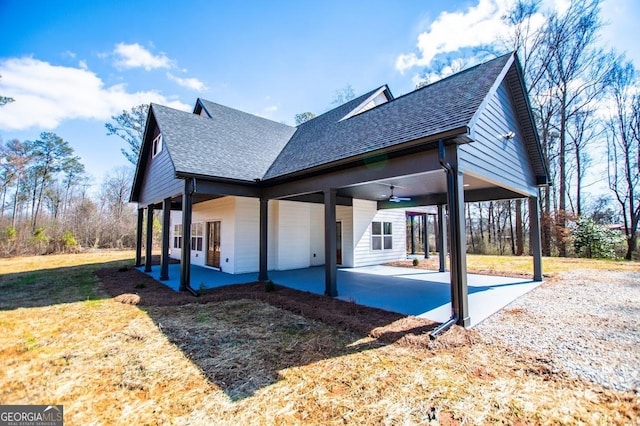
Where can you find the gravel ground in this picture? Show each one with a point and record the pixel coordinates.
(585, 323)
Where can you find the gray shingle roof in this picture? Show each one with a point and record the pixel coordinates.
(444, 105)
(231, 144)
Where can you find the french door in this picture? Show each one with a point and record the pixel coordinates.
(213, 244)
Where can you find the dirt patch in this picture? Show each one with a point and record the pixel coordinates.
(382, 325)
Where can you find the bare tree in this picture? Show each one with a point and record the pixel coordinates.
(119, 217)
(624, 148)
(577, 69)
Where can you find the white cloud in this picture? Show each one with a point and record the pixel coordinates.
(46, 95)
(476, 26)
(268, 112)
(451, 31)
(136, 56)
(189, 83)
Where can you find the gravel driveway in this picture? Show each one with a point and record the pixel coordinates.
(586, 323)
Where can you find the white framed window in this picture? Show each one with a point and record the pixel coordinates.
(381, 236)
(156, 145)
(177, 236)
(197, 236)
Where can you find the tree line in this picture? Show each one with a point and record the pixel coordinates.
(46, 204)
(586, 105)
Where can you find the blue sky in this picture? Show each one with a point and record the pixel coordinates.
(70, 65)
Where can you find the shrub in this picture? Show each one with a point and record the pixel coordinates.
(68, 241)
(416, 262)
(591, 240)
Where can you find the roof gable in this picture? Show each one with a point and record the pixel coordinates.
(447, 105)
(229, 144)
(378, 97)
(223, 143)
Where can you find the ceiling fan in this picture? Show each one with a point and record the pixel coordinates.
(395, 199)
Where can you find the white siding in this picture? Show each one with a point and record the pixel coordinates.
(272, 234)
(176, 218)
(344, 214)
(247, 235)
(364, 212)
(295, 234)
(294, 237)
(240, 233)
(317, 234)
(222, 209)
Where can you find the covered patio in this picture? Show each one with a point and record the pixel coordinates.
(468, 138)
(407, 291)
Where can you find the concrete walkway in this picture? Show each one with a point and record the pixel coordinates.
(404, 290)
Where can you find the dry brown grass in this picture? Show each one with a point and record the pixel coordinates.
(523, 265)
(249, 362)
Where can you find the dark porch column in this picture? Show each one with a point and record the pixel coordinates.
(148, 254)
(330, 244)
(412, 219)
(426, 235)
(458, 237)
(264, 224)
(534, 238)
(166, 223)
(139, 237)
(442, 238)
(185, 254)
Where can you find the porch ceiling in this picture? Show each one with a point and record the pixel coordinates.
(418, 185)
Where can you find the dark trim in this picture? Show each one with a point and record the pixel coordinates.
(318, 198)
(457, 235)
(455, 136)
(139, 237)
(330, 244)
(148, 255)
(426, 235)
(384, 168)
(166, 223)
(141, 166)
(531, 119)
(534, 238)
(214, 186)
(491, 194)
(185, 254)
(442, 238)
(263, 274)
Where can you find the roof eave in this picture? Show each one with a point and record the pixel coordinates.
(458, 135)
(140, 167)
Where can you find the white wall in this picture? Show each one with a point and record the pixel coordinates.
(344, 214)
(239, 232)
(317, 234)
(176, 218)
(293, 234)
(247, 235)
(364, 212)
(221, 209)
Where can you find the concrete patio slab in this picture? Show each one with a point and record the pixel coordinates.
(407, 291)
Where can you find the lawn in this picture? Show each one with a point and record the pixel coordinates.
(248, 359)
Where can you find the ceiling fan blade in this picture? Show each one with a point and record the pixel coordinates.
(395, 199)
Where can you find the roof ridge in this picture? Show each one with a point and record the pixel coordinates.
(457, 74)
(236, 110)
(353, 101)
